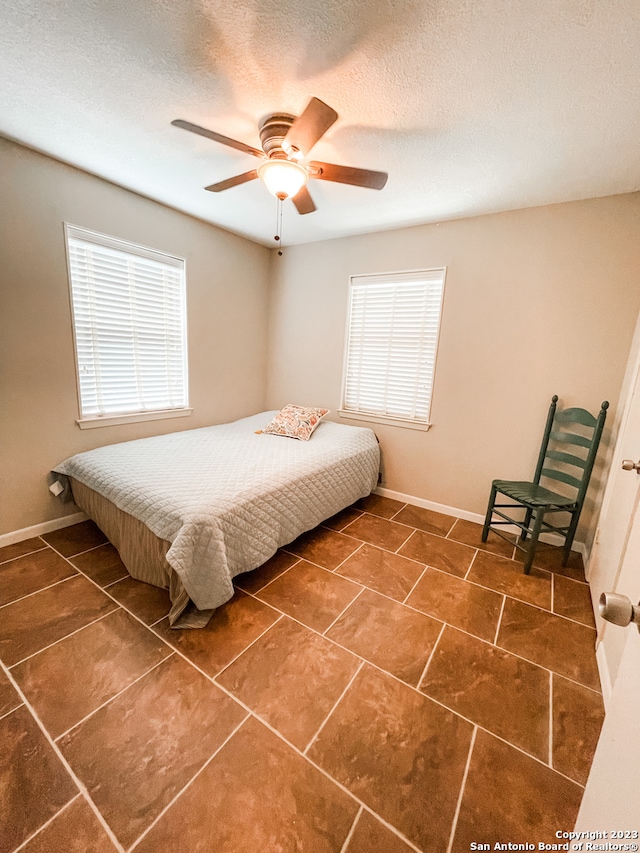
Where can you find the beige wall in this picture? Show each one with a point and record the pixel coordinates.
(227, 280)
(537, 302)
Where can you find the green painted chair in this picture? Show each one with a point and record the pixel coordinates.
(568, 451)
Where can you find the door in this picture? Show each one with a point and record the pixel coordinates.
(621, 504)
(611, 800)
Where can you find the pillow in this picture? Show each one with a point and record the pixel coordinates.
(296, 422)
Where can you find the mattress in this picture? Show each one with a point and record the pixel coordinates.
(226, 498)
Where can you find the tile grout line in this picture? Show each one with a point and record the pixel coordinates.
(407, 596)
(76, 779)
(70, 557)
(88, 550)
(188, 784)
(397, 512)
(250, 645)
(550, 613)
(347, 840)
(397, 551)
(325, 526)
(21, 556)
(499, 622)
(456, 815)
(314, 737)
(346, 559)
(431, 654)
(344, 610)
(551, 720)
(277, 577)
(48, 586)
(450, 531)
(300, 559)
(60, 639)
(391, 827)
(115, 696)
(6, 714)
(282, 573)
(468, 572)
(362, 542)
(119, 580)
(46, 824)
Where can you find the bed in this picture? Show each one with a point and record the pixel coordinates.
(191, 510)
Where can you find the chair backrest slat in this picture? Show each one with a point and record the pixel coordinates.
(576, 416)
(562, 476)
(568, 458)
(571, 438)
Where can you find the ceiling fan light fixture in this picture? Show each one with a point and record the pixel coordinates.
(283, 178)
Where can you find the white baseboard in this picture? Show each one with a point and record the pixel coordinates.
(39, 529)
(549, 538)
(447, 510)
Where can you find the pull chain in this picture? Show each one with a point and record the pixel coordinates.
(278, 236)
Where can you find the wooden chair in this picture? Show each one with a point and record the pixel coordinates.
(567, 457)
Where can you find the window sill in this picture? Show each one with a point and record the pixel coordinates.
(381, 419)
(134, 417)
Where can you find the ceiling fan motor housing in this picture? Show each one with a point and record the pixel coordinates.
(273, 129)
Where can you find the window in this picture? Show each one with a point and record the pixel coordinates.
(129, 318)
(392, 341)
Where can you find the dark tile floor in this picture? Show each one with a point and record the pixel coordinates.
(383, 684)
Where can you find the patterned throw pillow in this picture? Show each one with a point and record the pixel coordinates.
(296, 422)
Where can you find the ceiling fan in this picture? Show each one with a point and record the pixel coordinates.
(286, 141)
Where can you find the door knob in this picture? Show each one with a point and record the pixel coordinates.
(630, 465)
(619, 609)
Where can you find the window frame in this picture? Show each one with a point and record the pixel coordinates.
(94, 420)
(391, 278)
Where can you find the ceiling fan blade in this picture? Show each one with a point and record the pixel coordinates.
(348, 175)
(306, 130)
(217, 137)
(232, 182)
(303, 201)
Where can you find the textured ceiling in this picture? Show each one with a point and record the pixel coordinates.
(471, 106)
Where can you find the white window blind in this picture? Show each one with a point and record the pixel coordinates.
(392, 341)
(129, 315)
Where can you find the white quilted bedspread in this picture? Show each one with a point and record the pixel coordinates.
(227, 498)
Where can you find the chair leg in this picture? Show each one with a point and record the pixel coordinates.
(568, 541)
(487, 521)
(533, 542)
(527, 522)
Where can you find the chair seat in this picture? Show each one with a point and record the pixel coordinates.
(530, 494)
